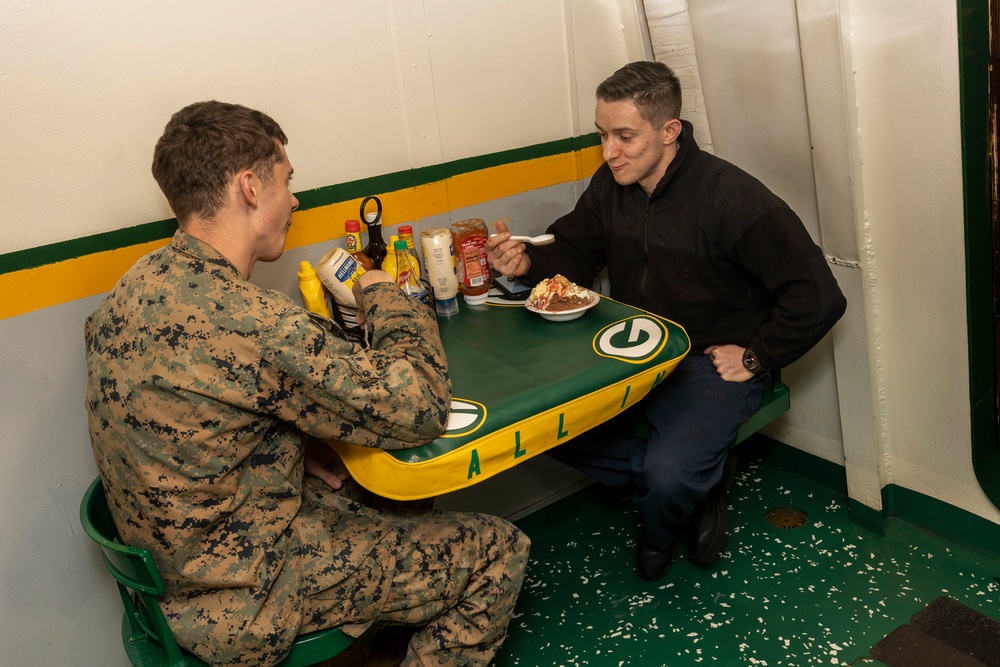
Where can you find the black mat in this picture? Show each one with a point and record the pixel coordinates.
(945, 633)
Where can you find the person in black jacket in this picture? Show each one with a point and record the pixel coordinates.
(694, 239)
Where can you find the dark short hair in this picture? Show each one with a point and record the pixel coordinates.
(652, 86)
(204, 145)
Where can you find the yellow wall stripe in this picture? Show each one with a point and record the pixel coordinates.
(81, 277)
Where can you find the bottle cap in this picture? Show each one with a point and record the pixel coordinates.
(405, 229)
(399, 245)
(475, 299)
(306, 270)
(446, 306)
(352, 226)
(370, 217)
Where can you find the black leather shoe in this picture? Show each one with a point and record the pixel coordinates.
(651, 564)
(710, 519)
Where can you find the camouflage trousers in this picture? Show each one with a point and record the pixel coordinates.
(455, 575)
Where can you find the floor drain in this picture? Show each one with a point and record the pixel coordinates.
(787, 517)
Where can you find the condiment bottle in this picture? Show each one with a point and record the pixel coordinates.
(474, 276)
(313, 296)
(406, 277)
(353, 229)
(439, 269)
(375, 249)
(339, 271)
(406, 234)
(389, 263)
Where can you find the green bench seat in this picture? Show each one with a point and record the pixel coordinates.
(146, 637)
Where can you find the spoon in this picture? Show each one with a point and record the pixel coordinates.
(541, 239)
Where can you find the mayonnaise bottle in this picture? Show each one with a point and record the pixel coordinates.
(439, 266)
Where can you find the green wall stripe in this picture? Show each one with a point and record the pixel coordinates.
(940, 518)
(57, 252)
(930, 514)
(821, 471)
(867, 517)
(323, 196)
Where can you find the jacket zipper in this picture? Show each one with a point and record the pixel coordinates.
(645, 258)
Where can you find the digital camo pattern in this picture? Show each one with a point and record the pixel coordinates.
(458, 575)
(200, 387)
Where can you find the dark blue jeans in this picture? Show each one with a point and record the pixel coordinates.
(695, 415)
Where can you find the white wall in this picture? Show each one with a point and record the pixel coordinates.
(751, 72)
(361, 88)
(909, 131)
(878, 168)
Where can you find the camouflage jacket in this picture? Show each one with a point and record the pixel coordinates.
(201, 385)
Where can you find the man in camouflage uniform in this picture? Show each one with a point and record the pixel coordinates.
(205, 393)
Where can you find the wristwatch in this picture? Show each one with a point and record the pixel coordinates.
(751, 363)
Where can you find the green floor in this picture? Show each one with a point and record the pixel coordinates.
(821, 594)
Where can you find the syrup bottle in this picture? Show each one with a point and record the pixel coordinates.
(375, 249)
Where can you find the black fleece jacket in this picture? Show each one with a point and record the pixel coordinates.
(712, 249)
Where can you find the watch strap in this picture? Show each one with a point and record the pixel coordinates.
(752, 363)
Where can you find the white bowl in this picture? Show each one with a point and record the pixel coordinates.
(566, 315)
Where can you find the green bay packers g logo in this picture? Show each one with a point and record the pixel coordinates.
(464, 417)
(634, 340)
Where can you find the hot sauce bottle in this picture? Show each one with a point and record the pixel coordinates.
(353, 229)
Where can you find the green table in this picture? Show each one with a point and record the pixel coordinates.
(521, 386)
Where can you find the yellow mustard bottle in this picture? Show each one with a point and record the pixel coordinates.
(313, 296)
(389, 261)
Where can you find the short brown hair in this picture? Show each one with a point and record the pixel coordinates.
(652, 86)
(204, 145)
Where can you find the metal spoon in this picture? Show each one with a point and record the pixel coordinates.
(541, 239)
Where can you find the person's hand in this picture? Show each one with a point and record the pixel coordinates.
(506, 256)
(322, 461)
(368, 278)
(728, 361)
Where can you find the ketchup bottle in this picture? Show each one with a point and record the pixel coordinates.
(474, 276)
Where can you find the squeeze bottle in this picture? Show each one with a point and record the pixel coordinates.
(389, 263)
(313, 296)
(474, 275)
(339, 271)
(439, 268)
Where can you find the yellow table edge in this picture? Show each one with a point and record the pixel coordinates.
(382, 473)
